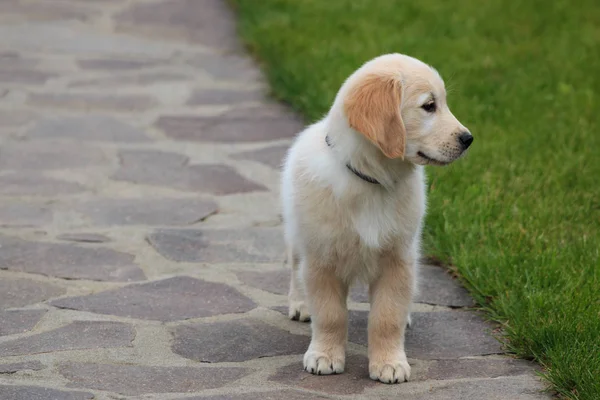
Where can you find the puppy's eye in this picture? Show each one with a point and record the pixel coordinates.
(429, 106)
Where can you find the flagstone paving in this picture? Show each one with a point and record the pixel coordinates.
(141, 253)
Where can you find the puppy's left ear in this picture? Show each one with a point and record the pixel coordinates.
(373, 109)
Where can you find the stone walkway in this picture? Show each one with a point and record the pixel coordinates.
(140, 241)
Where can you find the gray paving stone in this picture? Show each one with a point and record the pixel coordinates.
(223, 96)
(235, 341)
(207, 22)
(21, 366)
(18, 321)
(15, 118)
(41, 155)
(28, 184)
(148, 211)
(144, 79)
(271, 156)
(227, 67)
(516, 388)
(269, 110)
(436, 287)
(275, 395)
(223, 129)
(117, 64)
(138, 380)
(75, 336)
(60, 38)
(86, 101)
(40, 393)
(44, 10)
(170, 299)
(23, 214)
(250, 245)
(354, 380)
(84, 237)
(24, 76)
(359, 293)
(18, 292)
(89, 128)
(14, 60)
(437, 335)
(64, 260)
(277, 281)
(172, 170)
(477, 368)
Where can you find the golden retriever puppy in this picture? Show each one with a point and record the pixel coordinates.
(353, 192)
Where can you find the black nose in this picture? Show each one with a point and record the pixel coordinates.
(465, 138)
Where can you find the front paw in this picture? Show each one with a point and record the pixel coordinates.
(321, 363)
(390, 371)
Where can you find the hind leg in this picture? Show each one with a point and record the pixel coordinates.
(298, 310)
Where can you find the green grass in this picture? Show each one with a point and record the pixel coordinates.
(519, 217)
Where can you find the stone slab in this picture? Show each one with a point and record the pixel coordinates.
(478, 368)
(140, 80)
(226, 129)
(206, 22)
(235, 341)
(91, 102)
(45, 10)
(145, 211)
(135, 380)
(274, 395)
(24, 76)
(26, 184)
(277, 281)
(15, 118)
(272, 156)
(21, 366)
(227, 67)
(171, 170)
(64, 260)
(17, 292)
(40, 393)
(250, 245)
(117, 64)
(94, 127)
(40, 155)
(18, 321)
(75, 336)
(24, 214)
(202, 97)
(170, 299)
(514, 388)
(61, 38)
(11, 59)
(84, 237)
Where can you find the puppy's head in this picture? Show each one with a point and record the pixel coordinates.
(399, 104)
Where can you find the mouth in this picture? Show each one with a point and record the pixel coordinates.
(432, 161)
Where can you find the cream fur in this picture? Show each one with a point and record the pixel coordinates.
(339, 228)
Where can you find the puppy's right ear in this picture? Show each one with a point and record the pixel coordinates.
(373, 109)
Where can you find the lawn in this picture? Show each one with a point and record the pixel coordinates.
(519, 217)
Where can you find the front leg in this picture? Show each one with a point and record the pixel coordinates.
(326, 295)
(391, 296)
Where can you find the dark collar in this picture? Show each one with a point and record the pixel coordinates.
(362, 176)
